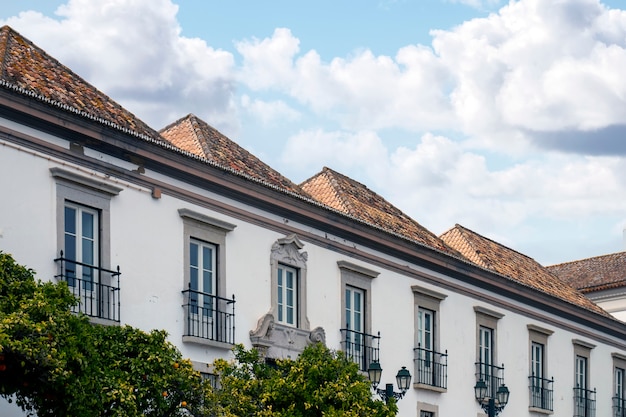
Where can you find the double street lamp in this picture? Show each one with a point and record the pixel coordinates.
(403, 379)
(492, 406)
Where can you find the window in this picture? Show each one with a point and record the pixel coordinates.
(288, 265)
(618, 398)
(83, 217)
(430, 364)
(81, 245)
(584, 398)
(425, 329)
(202, 277)
(541, 388)
(209, 314)
(427, 410)
(358, 342)
(287, 292)
(284, 331)
(486, 349)
(619, 388)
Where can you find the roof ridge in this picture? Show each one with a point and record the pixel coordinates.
(4, 35)
(111, 112)
(498, 243)
(346, 202)
(463, 233)
(588, 259)
(196, 126)
(174, 123)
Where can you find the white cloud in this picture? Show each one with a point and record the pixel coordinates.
(538, 65)
(360, 153)
(535, 73)
(133, 51)
(363, 90)
(438, 182)
(269, 112)
(477, 4)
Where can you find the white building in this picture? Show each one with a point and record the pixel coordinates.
(217, 248)
(602, 279)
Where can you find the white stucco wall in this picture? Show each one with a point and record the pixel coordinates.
(147, 243)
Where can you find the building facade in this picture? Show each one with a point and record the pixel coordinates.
(602, 279)
(183, 230)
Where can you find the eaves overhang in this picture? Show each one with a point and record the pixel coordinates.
(160, 156)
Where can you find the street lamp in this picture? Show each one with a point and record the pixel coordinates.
(491, 406)
(403, 379)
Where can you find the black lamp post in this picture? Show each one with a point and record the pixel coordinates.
(403, 379)
(492, 406)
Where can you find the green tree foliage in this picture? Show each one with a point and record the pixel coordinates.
(320, 382)
(56, 363)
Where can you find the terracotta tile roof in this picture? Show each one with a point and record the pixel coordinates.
(594, 274)
(26, 68)
(510, 263)
(197, 137)
(356, 200)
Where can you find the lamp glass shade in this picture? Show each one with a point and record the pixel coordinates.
(480, 390)
(502, 395)
(403, 379)
(374, 373)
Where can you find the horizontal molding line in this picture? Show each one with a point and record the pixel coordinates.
(145, 184)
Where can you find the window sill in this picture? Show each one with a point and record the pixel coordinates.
(540, 410)
(207, 342)
(103, 322)
(429, 387)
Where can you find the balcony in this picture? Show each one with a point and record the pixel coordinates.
(97, 289)
(584, 402)
(541, 393)
(361, 348)
(619, 407)
(209, 317)
(431, 368)
(491, 375)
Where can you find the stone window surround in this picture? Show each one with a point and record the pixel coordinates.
(90, 193)
(287, 251)
(431, 408)
(539, 335)
(210, 230)
(358, 277)
(583, 349)
(489, 319)
(430, 300)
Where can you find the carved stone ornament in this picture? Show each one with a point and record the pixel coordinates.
(275, 340)
(318, 335)
(287, 250)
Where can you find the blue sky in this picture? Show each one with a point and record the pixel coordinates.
(505, 117)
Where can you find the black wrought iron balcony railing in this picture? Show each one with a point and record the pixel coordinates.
(362, 348)
(209, 317)
(584, 402)
(431, 368)
(541, 392)
(492, 375)
(619, 406)
(97, 289)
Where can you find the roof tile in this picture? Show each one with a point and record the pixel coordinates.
(519, 267)
(25, 66)
(594, 274)
(355, 199)
(194, 135)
